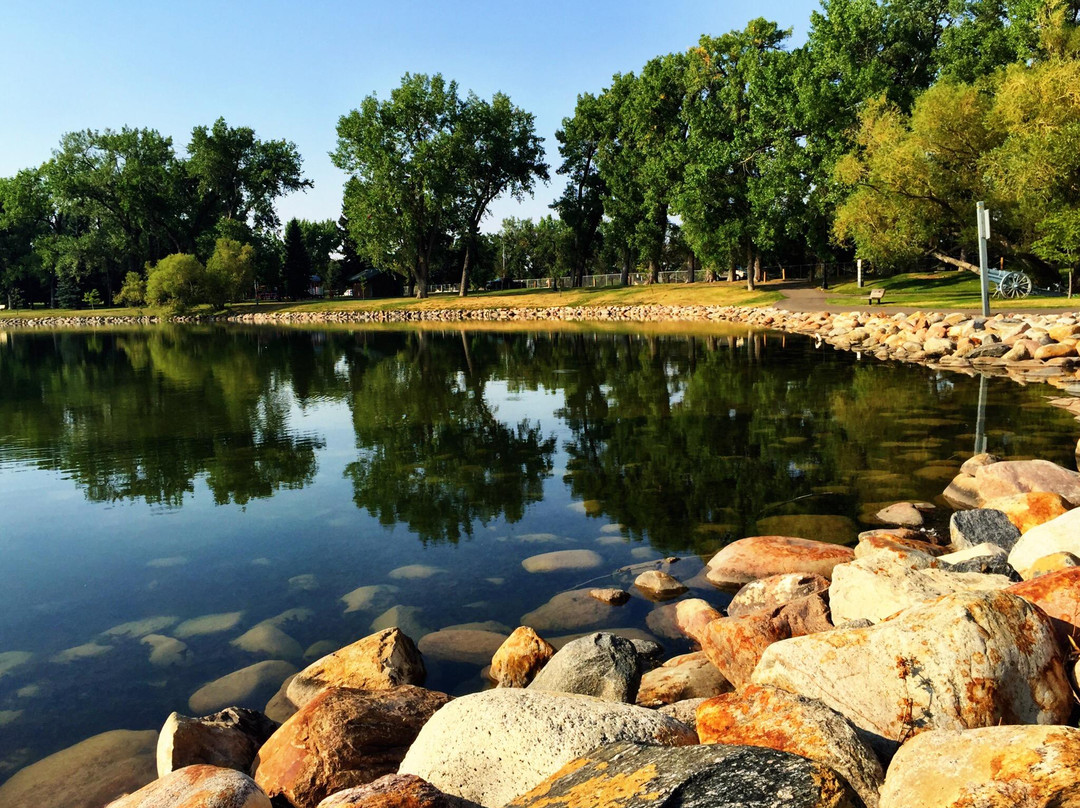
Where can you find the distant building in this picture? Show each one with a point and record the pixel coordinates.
(372, 283)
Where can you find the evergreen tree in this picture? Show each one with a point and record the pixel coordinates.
(297, 269)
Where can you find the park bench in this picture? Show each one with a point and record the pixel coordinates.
(875, 294)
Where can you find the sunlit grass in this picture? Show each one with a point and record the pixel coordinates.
(938, 290)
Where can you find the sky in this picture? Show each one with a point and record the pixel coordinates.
(291, 70)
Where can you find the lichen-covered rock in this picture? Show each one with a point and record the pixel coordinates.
(767, 716)
(991, 767)
(966, 660)
(1011, 477)
(875, 587)
(518, 659)
(688, 676)
(490, 747)
(1061, 534)
(201, 786)
(757, 557)
(343, 738)
(228, 739)
(86, 775)
(392, 791)
(774, 591)
(982, 525)
(659, 585)
(1031, 509)
(629, 775)
(1055, 562)
(379, 661)
(600, 665)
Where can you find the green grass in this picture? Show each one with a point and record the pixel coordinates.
(947, 289)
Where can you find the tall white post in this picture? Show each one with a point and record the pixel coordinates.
(858, 265)
(984, 262)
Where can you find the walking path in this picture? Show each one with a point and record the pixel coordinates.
(801, 298)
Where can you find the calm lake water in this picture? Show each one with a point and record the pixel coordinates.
(257, 477)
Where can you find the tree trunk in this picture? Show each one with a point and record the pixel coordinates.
(464, 289)
(625, 279)
(824, 275)
(710, 275)
(750, 266)
(731, 270)
(654, 272)
(693, 268)
(1072, 280)
(958, 263)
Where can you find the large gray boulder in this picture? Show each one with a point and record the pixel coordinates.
(229, 739)
(982, 525)
(971, 659)
(490, 747)
(630, 775)
(600, 665)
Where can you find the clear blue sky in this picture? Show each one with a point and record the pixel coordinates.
(290, 69)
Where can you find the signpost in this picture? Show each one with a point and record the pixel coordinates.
(983, 216)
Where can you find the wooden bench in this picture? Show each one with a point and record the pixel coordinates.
(875, 294)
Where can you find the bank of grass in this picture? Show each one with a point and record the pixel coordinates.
(947, 289)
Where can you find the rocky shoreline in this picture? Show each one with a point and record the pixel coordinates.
(914, 669)
(1025, 347)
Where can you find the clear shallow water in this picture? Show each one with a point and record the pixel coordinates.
(167, 475)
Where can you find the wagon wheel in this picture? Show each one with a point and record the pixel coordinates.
(1023, 284)
(1014, 284)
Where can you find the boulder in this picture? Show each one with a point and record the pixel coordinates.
(965, 660)
(567, 611)
(774, 591)
(379, 661)
(693, 617)
(990, 767)
(1061, 534)
(767, 716)
(228, 739)
(343, 738)
(901, 513)
(874, 541)
(200, 785)
(267, 639)
(658, 585)
(975, 462)
(600, 665)
(392, 791)
(628, 775)
(612, 597)
(985, 565)
(757, 557)
(1029, 510)
(984, 550)
(962, 492)
(875, 587)
(1052, 563)
(280, 708)
(245, 686)
(517, 660)
(474, 646)
(1011, 477)
(518, 738)
(982, 526)
(561, 560)
(86, 775)
(688, 676)
(1057, 594)
(684, 711)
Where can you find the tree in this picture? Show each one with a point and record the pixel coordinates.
(321, 240)
(230, 272)
(133, 291)
(496, 152)
(178, 281)
(581, 205)
(24, 214)
(92, 299)
(297, 267)
(400, 196)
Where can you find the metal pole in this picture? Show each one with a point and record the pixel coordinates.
(980, 418)
(984, 266)
(858, 265)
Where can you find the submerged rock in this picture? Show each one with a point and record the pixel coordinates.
(567, 611)
(240, 687)
(658, 585)
(268, 640)
(563, 560)
(629, 775)
(473, 646)
(208, 624)
(517, 738)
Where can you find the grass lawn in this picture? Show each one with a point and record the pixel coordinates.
(947, 289)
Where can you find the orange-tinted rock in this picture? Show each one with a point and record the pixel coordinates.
(693, 617)
(519, 658)
(872, 543)
(376, 662)
(392, 791)
(1031, 509)
(775, 591)
(1055, 349)
(1011, 477)
(774, 718)
(1057, 594)
(735, 644)
(343, 738)
(992, 767)
(198, 786)
(962, 492)
(761, 556)
(689, 676)
(1055, 562)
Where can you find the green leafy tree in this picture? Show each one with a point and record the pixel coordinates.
(401, 193)
(581, 205)
(322, 239)
(177, 281)
(133, 290)
(230, 272)
(92, 299)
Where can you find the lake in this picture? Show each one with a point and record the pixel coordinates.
(180, 503)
